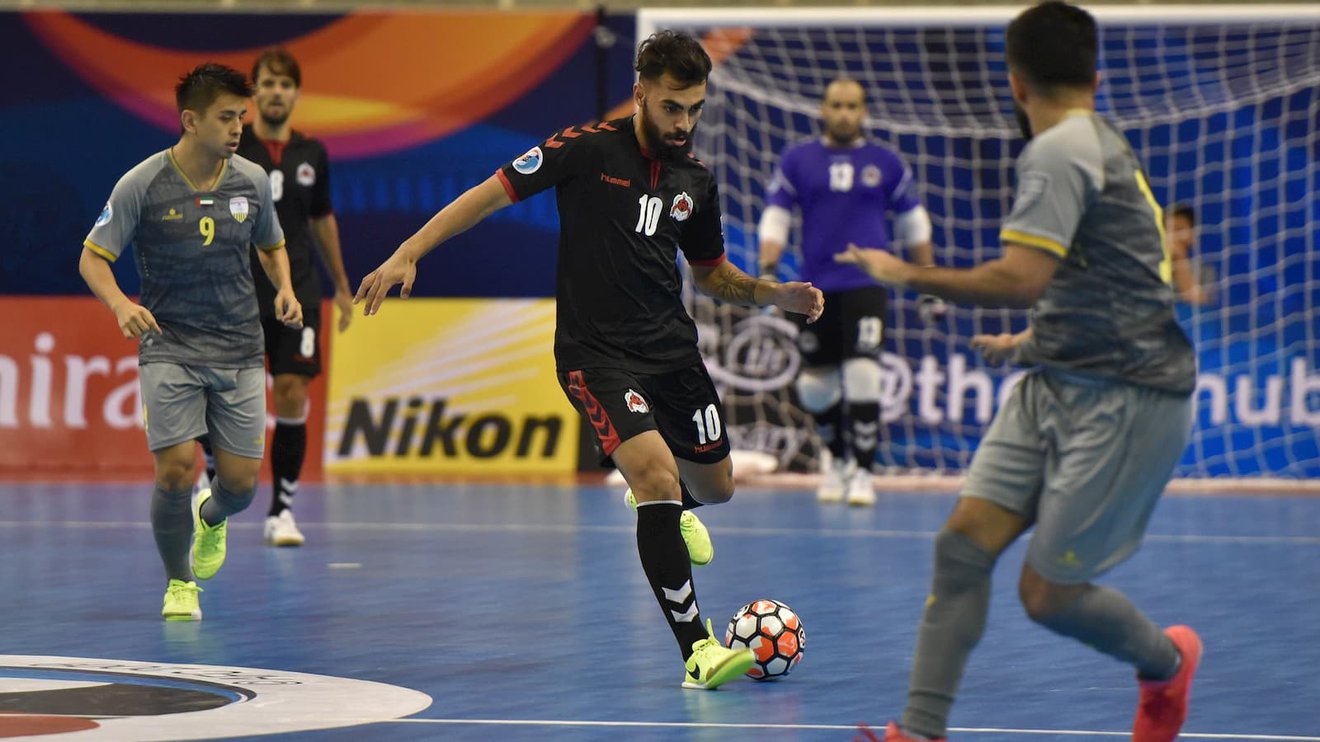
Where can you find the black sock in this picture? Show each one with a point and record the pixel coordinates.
(287, 451)
(829, 426)
(864, 418)
(665, 561)
(209, 456)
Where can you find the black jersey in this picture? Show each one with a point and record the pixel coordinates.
(300, 184)
(623, 217)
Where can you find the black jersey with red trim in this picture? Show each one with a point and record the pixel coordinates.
(623, 218)
(300, 184)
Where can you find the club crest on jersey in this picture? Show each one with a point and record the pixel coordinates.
(306, 175)
(106, 214)
(238, 206)
(871, 176)
(682, 208)
(635, 402)
(530, 162)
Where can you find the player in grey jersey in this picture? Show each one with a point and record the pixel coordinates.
(1087, 442)
(190, 212)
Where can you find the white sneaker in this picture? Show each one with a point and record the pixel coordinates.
(861, 488)
(834, 477)
(281, 530)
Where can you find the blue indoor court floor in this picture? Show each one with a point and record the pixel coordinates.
(520, 612)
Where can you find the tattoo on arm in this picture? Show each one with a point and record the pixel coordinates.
(733, 286)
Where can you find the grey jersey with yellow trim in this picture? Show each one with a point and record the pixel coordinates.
(191, 249)
(1108, 311)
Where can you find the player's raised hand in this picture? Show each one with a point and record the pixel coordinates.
(134, 319)
(996, 348)
(377, 284)
(801, 298)
(287, 308)
(877, 264)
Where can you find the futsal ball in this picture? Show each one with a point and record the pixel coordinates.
(773, 632)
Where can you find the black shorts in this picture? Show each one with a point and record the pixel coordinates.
(682, 405)
(293, 351)
(852, 326)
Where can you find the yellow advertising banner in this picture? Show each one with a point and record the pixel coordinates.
(450, 386)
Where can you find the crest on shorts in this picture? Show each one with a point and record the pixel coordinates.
(682, 208)
(635, 402)
(871, 176)
(306, 175)
(238, 206)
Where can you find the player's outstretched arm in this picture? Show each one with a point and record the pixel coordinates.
(133, 319)
(1016, 279)
(462, 214)
(726, 283)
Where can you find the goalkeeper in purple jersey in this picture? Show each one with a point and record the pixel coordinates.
(847, 191)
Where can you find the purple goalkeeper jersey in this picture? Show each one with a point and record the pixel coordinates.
(844, 195)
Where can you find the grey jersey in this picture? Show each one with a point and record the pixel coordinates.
(191, 249)
(1108, 311)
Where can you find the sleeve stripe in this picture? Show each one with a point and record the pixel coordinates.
(99, 250)
(508, 187)
(271, 248)
(1031, 240)
(710, 263)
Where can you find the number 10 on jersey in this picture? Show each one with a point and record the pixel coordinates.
(648, 214)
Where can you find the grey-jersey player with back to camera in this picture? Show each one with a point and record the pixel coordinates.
(1088, 440)
(190, 213)
(631, 198)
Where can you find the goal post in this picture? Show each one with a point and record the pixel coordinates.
(1220, 102)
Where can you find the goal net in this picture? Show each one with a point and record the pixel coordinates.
(1221, 104)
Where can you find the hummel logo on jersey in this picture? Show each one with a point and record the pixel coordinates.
(172, 216)
(625, 182)
(635, 402)
(682, 208)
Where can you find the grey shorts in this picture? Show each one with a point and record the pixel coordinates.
(1086, 460)
(180, 403)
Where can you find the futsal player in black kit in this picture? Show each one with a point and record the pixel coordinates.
(299, 172)
(631, 197)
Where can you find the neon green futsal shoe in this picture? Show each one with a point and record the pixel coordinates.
(712, 664)
(208, 549)
(181, 602)
(695, 535)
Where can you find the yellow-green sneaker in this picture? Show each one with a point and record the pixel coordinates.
(208, 549)
(695, 535)
(181, 602)
(712, 664)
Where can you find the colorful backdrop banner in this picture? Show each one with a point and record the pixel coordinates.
(450, 386)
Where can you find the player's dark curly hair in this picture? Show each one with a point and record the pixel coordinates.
(198, 89)
(278, 61)
(676, 53)
(1053, 45)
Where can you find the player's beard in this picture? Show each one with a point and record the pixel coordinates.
(662, 149)
(840, 136)
(276, 120)
(1024, 123)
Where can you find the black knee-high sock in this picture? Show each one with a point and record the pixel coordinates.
(864, 418)
(665, 561)
(287, 451)
(208, 454)
(829, 426)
